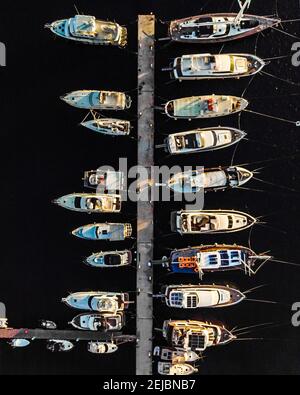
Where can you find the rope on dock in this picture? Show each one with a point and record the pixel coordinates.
(296, 123)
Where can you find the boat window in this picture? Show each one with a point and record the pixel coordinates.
(234, 256)
(112, 260)
(212, 259)
(77, 202)
(249, 23)
(230, 222)
(176, 299)
(224, 258)
(192, 301)
(196, 342)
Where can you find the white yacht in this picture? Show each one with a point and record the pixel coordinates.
(99, 322)
(203, 140)
(214, 179)
(59, 345)
(89, 30)
(102, 302)
(207, 106)
(176, 355)
(90, 202)
(104, 181)
(210, 221)
(108, 126)
(97, 100)
(178, 369)
(109, 259)
(102, 347)
(201, 296)
(207, 66)
(104, 231)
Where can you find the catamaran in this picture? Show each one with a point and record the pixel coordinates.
(108, 126)
(195, 335)
(203, 140)
(104, 231)
(210, 221)
(90, 202)
(207, 66)
(201, 296)
(219, 28)
(97, 100)
(102, 302)
(105, 181)
(89, 30)
(214, 179)
(208, 106)
(110, 259)
(177, 369)
(99, 322)
(214, 258)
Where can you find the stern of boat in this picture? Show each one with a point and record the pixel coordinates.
(174, 221)
(122, 42)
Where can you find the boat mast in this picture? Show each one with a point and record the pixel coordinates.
(244, 4)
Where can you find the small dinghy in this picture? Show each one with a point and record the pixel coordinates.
(102, 302)
(214, 258)
(110, 259)
(59, 345)
(109, 126)
(210, 221)
(97, 100)
(19, 343)
(208, 106)
(102, 348)
(201, 296)
(175, 355)
(177, 369)
(104, 231)
(203, 140)
(195, 336)
(90, 202)
(208, 66)
(46, 324)
(99, 322)
(215, 179)
(219, 28)
(89, 30)
(105, 181)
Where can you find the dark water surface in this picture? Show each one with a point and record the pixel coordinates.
(44, 154)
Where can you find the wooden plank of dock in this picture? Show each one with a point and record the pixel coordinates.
(146, 32)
